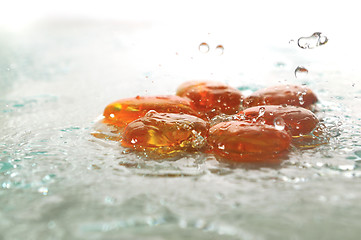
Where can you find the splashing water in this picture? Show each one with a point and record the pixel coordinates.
(301, 72)
(315, 40)
(203, 47)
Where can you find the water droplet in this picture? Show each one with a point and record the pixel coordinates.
(219, 50)
(134, 140)
(315, 40)
(300, 97)
(112, 115)
(279, 123)
(301, 72)
(203, 47)
(221, 146)
(261, 111)
(43, 190)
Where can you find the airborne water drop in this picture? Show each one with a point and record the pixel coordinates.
(219, 49)
(315, 40)
(301, 72)
(203, 47)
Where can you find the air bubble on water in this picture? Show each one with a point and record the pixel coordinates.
(301, 72)
(315, 40)
(112, 115)
(134, 141)
(279, 123)
(219, 50)
(291, 41)
(203, 47)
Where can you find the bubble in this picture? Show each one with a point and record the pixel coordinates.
(315, 40)
(279, 123)
(219, 50)
(203, 47)
(301, 72)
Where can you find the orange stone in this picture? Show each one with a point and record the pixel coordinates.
(297, 120)
(242, 141)
(211, 98)
(124, 111)
(166, 134)
(293, 95)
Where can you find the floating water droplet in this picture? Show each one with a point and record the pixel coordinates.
(312, 41)
(279, 123)
(203, 47)
(301, 72)
(219, 50)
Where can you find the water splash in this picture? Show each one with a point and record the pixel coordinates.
(301, 72)
(203, 47)
(315, 40)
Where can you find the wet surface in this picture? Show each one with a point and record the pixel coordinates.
(57, 181)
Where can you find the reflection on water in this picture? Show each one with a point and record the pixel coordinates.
(57, 181)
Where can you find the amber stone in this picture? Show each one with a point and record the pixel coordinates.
(165, 134)
(211, 98)
(122, 112)
(242, 141)
(293, 95)
(297, 120)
